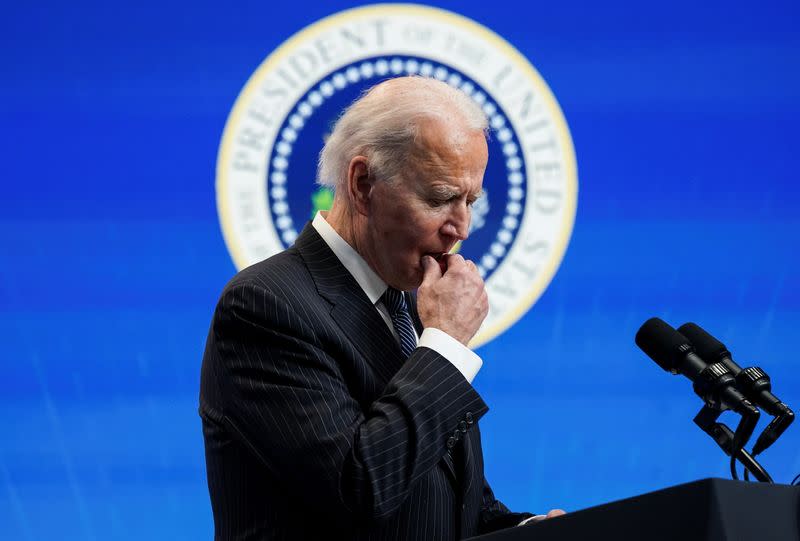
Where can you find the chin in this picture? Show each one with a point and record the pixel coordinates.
(416, 280)
(406, 282)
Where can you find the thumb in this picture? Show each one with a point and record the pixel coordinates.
(430, 269)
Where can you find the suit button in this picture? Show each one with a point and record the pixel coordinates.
(462, 426)
(468, 417)
(451, 441)
(456, 435)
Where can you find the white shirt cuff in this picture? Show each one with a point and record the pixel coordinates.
(463, 358)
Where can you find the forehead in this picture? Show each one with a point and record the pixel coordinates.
(452, 160)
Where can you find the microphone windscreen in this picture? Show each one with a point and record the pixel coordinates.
(704, 344)
(666, 346)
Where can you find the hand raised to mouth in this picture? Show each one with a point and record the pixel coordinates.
(452, 296)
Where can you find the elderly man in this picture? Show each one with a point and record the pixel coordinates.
(334, 403)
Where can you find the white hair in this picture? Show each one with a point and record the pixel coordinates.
(383, 125)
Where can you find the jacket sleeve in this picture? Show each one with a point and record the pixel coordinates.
(496, 516)
(285, 398)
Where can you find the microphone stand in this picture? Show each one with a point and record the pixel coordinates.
(772, 432)
(706, 419)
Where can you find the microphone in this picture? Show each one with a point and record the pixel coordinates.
(673, 352)
(753, 382)
(714, 383)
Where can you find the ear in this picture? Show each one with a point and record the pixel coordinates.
(360, 184)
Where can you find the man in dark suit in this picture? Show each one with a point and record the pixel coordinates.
(334, 403)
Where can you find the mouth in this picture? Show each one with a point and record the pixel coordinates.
(449, 249)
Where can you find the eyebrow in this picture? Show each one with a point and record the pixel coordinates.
(479, 195)
(446, 192)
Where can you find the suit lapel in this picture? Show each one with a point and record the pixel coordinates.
(351, 309)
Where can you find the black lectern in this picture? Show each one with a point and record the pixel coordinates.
(707, 510)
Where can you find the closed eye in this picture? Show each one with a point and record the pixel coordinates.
(471, 199)
(450, 197)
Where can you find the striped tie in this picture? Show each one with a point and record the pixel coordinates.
(395, 302)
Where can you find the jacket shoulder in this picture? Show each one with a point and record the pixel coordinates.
(276, 274)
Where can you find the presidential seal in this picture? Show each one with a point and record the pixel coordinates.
(266, 166)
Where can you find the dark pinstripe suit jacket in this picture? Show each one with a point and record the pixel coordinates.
(316, 427)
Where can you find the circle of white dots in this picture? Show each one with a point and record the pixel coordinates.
(397, 66)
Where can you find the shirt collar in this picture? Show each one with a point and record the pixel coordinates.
(369, 281)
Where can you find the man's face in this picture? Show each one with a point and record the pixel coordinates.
(427, 210)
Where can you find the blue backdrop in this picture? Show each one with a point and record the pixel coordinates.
(684, 117)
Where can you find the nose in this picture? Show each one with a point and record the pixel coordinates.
(457, 224)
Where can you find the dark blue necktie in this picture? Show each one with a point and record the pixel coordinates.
(395, 302)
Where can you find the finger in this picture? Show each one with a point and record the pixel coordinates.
(454, 261)
(555, 513)
(442, 262)
(430, 269)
